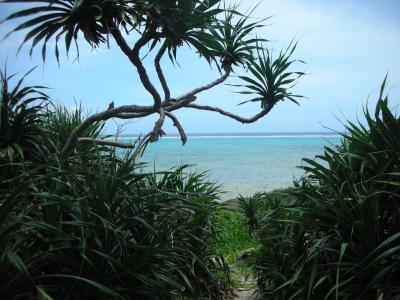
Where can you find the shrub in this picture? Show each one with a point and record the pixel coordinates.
(98, 227)
(60, 122)
(20, 119)
(105, 230)
(250, 208)
(340, 237)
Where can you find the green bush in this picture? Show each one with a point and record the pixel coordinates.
(250, 208)
(21, 110)
(60, 122)
(97, 227)
(340, 236)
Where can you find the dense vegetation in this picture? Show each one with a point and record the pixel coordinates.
(94, 225)
(81, 220)
(337, 234)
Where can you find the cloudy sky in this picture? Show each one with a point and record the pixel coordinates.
(349, 46)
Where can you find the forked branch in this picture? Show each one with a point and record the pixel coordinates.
(134, 57)
(157, 131)
(160, 73)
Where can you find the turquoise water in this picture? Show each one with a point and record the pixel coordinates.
(241, 164)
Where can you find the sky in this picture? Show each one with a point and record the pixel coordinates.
(348, 47)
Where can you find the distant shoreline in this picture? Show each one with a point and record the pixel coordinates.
(245, 135)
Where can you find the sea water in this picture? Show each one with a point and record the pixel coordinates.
(241, 163)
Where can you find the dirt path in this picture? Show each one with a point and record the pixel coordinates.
(246, 285)
(243, 294)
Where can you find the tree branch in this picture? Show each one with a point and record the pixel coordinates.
(205, 87)
(157, 131)
(178, 126)
(145, 38)
(170, 106)
(121, 42)
(160, 73)
(164, 108)
(122, 112)
(102, 116)
(87, 140)
(233, 116)
(127, 115)
(133, 55)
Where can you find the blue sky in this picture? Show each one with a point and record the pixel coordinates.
(349, 46)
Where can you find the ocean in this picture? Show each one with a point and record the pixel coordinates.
(241, 163)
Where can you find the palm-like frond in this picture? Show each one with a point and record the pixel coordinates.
(60, 122)
(181, 21)
(176, 21)
(271, 80)
(250, 207)
(231, 39)
(65, 19)
(21, 117)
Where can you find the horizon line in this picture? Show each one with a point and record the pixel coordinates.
(241, 134)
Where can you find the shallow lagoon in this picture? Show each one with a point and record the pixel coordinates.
(242, 164)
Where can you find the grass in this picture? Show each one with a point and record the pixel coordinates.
(235, 240)
(238, 242)
(234, 237)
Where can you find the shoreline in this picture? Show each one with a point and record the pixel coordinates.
(235, 135)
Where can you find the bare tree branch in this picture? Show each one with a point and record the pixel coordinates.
(106, 143)
(127, 115)
(121, 42)
(178, 126)
(205, 87)
(134, 111)
(145, 38)
(164, 108)
(240, 119)
(122, 112)
(160, 73)
(133, 55)
(157, 131)
(146, 81)
(170, 106)
(102, 116)
(211, 36)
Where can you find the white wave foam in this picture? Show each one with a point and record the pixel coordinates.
(254, 136)
(247, 136)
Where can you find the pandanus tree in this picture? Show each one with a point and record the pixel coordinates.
(221, 34)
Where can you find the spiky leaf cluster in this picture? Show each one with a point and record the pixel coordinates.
(66, 19)
(271, 80)
(20, 118)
